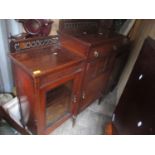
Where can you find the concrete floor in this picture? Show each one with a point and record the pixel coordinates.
(92, 120)
(89, 122)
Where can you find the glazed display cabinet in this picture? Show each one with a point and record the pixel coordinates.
(48, 86)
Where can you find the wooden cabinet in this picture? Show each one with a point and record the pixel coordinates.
(48, 85)
(100, 51)
(57, 80)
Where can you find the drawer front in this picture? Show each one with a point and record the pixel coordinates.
(45, 80)
(101, 51)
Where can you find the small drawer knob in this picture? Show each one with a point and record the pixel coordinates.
(114, 47)
(96, 54)
(83, 95)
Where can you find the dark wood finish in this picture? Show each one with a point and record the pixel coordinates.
(100, 51)
(17, 45)
(31, 67)
(93, 90)
(119, 64)
(85, 25)
(78, 25)
(84, 59)
(135, 112)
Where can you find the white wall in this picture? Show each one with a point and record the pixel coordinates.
(7, 27)
(13, 27)
(4, 60)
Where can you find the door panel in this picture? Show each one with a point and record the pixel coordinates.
(91, 70)
(93, 89)
(58, 102)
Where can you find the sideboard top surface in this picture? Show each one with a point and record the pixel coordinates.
(93, 39)
(42, 61)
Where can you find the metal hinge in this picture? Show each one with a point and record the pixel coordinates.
(83, 95)
(74, 98)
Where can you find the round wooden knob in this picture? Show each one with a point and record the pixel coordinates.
(83, 95)
(96, 54)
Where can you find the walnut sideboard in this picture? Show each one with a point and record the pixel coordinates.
(57, 80)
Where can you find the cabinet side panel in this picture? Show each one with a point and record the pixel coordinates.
(25, 92)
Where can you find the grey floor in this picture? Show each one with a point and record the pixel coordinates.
(89, 122)
(92, 120)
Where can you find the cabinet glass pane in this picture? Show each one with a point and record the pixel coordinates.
(58, 102)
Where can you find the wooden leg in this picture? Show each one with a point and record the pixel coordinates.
(73, 120)
(110, 129)
(99, 101)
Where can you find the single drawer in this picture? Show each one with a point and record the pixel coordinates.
(104, 50)
(48, 79)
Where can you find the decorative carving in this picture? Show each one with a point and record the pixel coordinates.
(18, 45)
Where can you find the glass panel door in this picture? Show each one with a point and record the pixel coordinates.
(58, 102)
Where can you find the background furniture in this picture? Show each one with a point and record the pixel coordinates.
(135, 112)
(90, 25)
(103, 53)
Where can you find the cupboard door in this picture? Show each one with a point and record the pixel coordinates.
(93, 90)
(105, 64)
(99, 66)
(91, 69)
(102, 65)
(58, 102)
